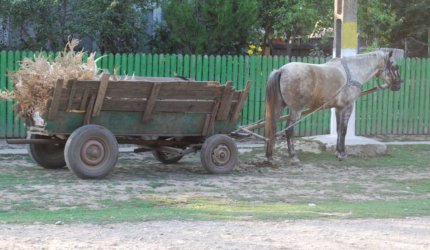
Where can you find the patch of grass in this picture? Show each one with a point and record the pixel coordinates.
(397, 156)
(143, 210)
(416, 186)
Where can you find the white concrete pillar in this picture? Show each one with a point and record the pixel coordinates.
(345, 44)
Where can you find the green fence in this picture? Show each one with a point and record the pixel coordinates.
(386, 112)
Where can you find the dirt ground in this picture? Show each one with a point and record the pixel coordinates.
(309, 183)
(411, 233)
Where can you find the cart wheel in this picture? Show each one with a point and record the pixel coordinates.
(49, 156)
(219, 154)
(166, 158)
(91, 152)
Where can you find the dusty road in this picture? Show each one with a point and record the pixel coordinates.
(410, 233)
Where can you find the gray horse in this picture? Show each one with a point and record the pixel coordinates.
(335, 84)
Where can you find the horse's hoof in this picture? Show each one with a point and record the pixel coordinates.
(341, 156)
(295, 161)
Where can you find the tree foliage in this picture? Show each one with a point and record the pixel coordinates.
(115, 25)
(204, 26)
(212, 26)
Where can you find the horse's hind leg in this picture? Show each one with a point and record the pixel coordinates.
(342, 117)
(293, 116)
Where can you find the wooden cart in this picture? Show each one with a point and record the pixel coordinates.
(170, 117)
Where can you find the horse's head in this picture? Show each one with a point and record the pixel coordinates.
(390, 74)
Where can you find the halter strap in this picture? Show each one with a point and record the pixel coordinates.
(349, 81)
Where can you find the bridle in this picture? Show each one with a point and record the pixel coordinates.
(391, 71)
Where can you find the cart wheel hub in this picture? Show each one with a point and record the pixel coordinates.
(221, 155)
(92, 152)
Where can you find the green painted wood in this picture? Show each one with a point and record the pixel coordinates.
(241, 84)
(235, 72)
(186, 68)
(137, 66)
(161, 65)
(417, 95)
(3, 110)
(193, 62)
(252, 93)
(229, 69)
(167, 72)
(223, 73)
(129, 123)
(130, 65)
(205, 72)
(427, 97)
(211, 76)
(246, 107)
(173, 62)
(403, 112)
(199, 68)
(123, 62)
(180, 65)
(9, 104)
(218, 69)
(408, 91)
(149, 65)
(155, 63)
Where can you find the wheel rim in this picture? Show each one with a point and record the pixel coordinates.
(93, 152)
(221, 155)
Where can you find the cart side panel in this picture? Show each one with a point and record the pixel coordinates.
(129, 123)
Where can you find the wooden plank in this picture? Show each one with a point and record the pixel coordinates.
(155, 68)
(72, 94)
(179, 106)
(84, 99)
(193, 61)
(205, 70)
(180, 65)
(209, 125)
(53, 109)
(241, 84)
(9, 104)
(130, 65)
(186, 68)
(161, 63)
(89, 110)
(147, 114)
(218, 68)
(226, 100)
(101, 93)
(239, 105)
(3, 110)
(212, 66)
(427, 97)
(199, 68)
(418, 98)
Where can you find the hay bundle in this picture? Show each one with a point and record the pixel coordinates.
(34, 82)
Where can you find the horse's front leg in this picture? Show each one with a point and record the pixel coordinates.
(342, 118)
(293, 116)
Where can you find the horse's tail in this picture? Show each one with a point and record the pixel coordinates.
(274, 104)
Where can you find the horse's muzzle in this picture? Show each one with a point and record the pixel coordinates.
(396, 86)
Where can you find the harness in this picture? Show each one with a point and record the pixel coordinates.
(349, 80)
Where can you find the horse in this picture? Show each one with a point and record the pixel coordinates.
(335, 84)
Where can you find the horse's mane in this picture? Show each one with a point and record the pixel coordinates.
(360, 58)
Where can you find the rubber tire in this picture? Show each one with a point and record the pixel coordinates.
(49, 156)
(75, 144)
(208, 150)
(164, 158)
